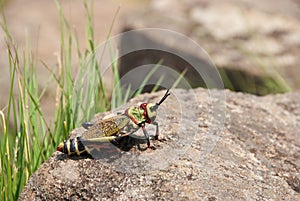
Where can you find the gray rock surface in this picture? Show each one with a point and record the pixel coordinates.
(248, 151)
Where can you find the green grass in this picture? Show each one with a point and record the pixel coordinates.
(26, 138)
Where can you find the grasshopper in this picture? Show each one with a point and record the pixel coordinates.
(114, 128)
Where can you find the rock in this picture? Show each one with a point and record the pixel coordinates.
(252, 44)
(243, 147)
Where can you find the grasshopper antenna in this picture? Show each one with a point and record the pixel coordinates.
(161, 100)
(164, 98)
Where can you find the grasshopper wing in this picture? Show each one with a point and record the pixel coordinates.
(98, 137)
(107, 127)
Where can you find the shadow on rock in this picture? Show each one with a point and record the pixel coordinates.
(109, 151)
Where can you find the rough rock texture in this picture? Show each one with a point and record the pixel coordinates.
(248, 151)
(252, 39)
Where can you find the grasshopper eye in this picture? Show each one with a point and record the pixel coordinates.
(143, 106)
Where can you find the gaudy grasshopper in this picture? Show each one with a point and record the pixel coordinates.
(114, 128)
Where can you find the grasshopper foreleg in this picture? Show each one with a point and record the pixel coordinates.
(157, 130)
(156, 137)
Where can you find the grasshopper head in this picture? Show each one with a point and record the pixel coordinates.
(149, 111)
(151, 108)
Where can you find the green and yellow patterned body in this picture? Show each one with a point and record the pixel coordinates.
(112, 128)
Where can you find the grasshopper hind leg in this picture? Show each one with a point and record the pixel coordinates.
(124, 142)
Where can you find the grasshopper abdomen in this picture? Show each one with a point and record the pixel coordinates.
(72, 146)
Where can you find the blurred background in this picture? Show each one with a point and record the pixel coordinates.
(37, 24)
(254, 44)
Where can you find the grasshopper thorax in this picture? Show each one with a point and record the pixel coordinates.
(146, 112)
